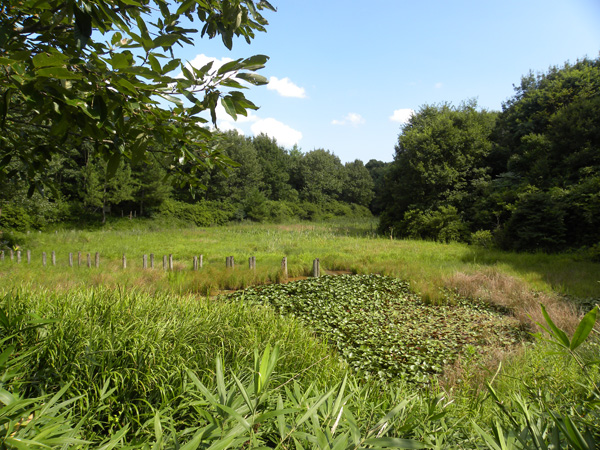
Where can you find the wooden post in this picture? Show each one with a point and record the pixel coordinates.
(200, 261)
(124, 261)
(79, 259)
(18, 256)
(145, 261)
(28, 256)
(170, 261)
(231, 262)
(12, 254)
(152, 260)
(252, 263)
(195, 263)
(43, 258)
(89, 260)
(284, 267)
(316, 268)
(97, 259)
(227, 262)
(70, 259)
(164, 262)
(130, 215)
(53, 258)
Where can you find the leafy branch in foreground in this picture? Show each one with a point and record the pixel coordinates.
(98, 70)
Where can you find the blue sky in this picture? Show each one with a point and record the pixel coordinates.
(344, 74)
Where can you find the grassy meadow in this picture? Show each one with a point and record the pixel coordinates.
(430, 347)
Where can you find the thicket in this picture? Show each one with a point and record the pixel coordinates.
(268, 184)
(529, 175)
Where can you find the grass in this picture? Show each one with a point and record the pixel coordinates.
(135, 357)
(350, 247)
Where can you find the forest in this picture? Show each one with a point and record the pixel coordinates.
(526, 178)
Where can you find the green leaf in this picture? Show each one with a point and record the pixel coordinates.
(113, 164)
(121, 60)
(229, 106)
(388, 442)
(558, 334)
(253, 78)
(53, 59)
(166, 40)
(584, 328)
(60, 73)
(83, 27)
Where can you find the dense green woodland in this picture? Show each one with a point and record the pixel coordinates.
(526, 178)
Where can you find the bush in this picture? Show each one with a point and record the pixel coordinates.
(443, 224)
(201, 214)
(483, 238)
(537, 222)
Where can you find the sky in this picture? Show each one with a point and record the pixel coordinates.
(345, 75)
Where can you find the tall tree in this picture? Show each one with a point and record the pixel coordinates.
(323, 176)
(358, 184)
(440, 157)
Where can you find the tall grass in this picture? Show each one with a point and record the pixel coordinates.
(350, 247)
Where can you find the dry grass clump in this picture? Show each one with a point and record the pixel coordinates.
(509, 292)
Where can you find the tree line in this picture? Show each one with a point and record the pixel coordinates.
(525, 178)
(267, 183)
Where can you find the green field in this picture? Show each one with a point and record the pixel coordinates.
(397, 357)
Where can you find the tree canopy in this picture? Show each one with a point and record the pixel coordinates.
(101, 71)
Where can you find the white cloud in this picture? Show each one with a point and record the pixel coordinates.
(351, 118)
(286, 88)
(226, 126)
(438, 85)
(402, 115)
(284, 134)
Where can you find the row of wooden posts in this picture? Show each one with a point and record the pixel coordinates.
(197, 261)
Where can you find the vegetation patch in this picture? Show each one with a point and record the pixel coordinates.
(384, 330)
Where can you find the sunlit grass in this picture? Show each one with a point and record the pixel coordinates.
(339, 246)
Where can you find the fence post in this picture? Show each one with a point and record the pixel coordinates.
(12, 254)
(252, 263)
(43, 258)
(18, 256)
(79, 259)
(70, 259)
(152, 260)
(316, 268)
(28, 256)
(97, 259)
(53, 258)
(227, 262)
(284, 267)
(195, 263)
(164, 262)
(89, 260)
(145, 261)
(124, 261)
(200, 258)
(170, 262)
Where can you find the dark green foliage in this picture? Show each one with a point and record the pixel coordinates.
(440, 158)
(380, 327)
(358, 186)
(529, 175)
(537, 222)
(202, 213)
